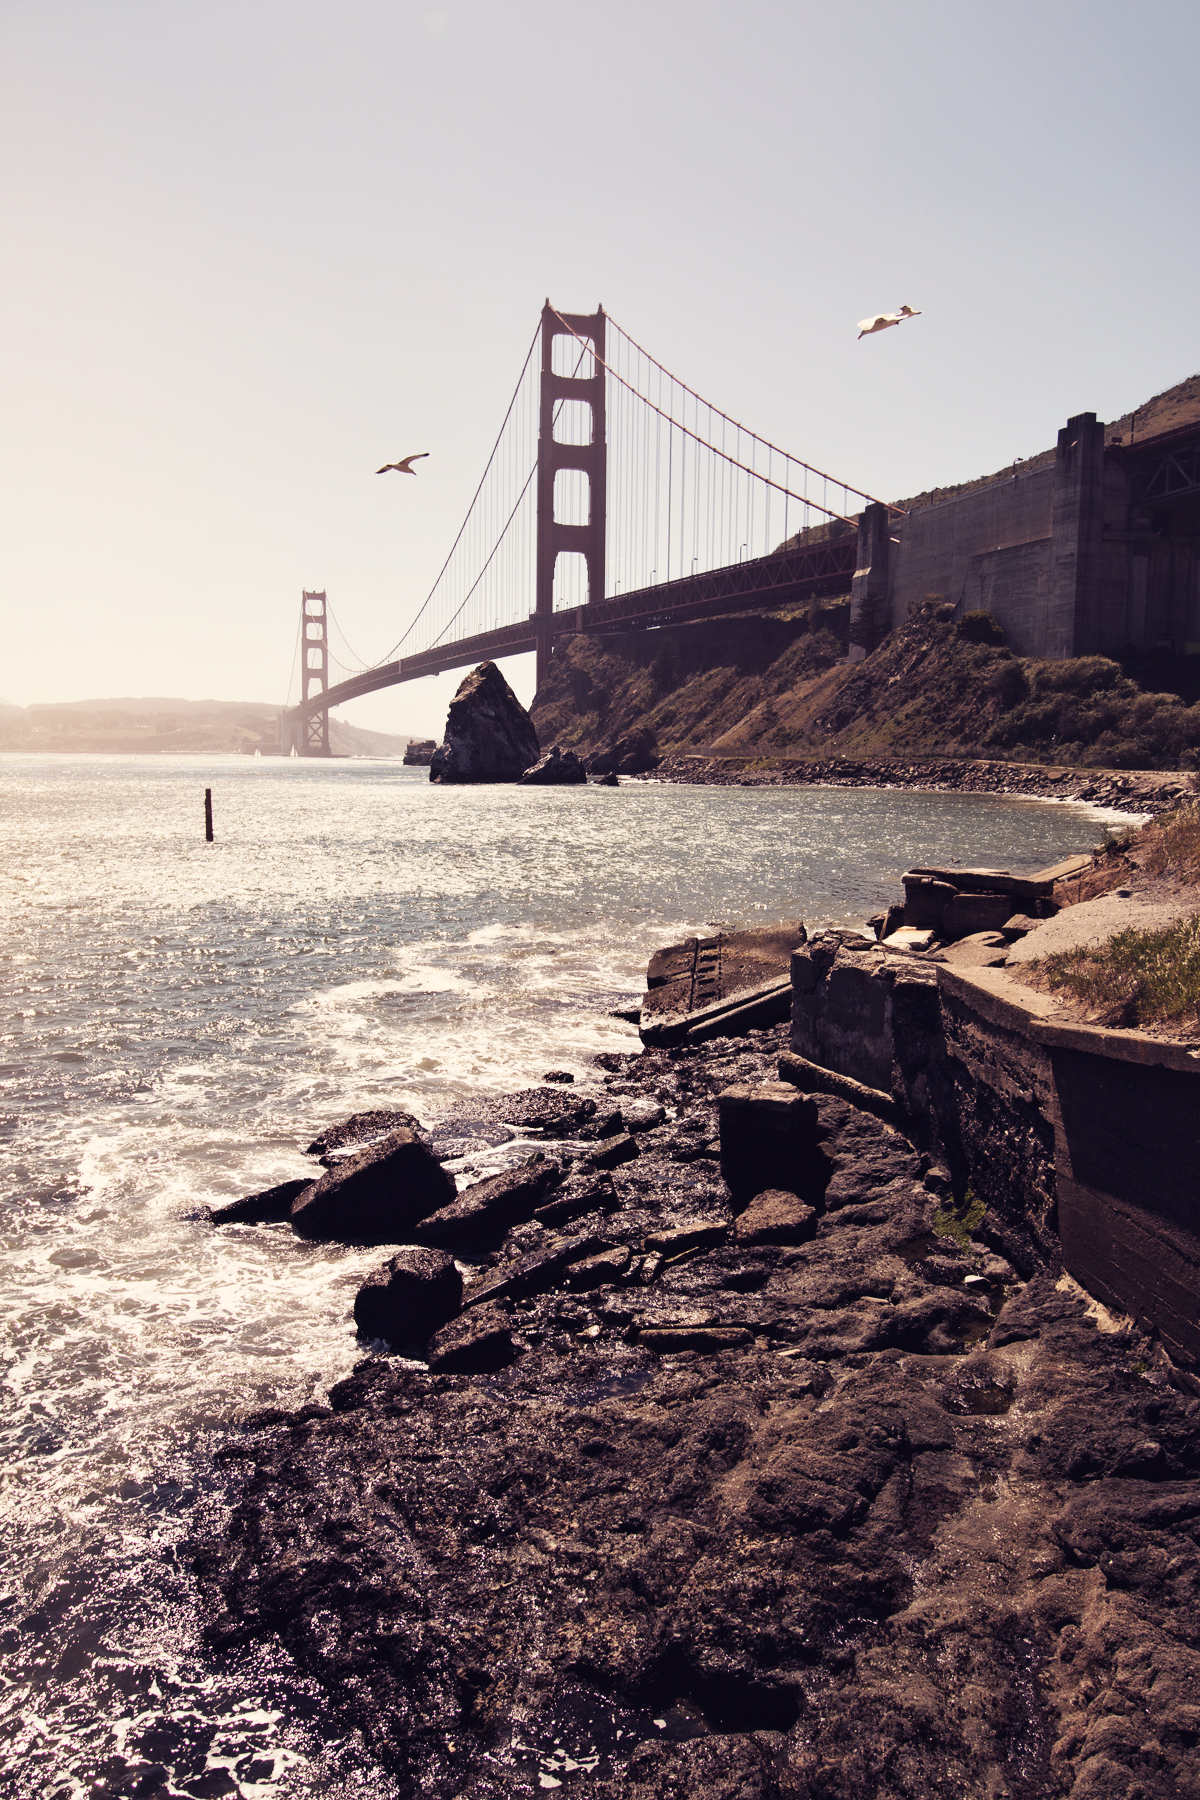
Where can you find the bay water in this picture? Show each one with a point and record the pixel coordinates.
(177, 1020)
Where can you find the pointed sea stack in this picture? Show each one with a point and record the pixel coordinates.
(489, 735)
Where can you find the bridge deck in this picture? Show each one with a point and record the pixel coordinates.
(765, 581)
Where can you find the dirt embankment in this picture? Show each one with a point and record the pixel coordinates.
(775, 688)
(684, 685)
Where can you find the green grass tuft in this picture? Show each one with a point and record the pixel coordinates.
(1137, 978)
(959, 1222)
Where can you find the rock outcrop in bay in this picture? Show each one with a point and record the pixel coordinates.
(556, 769)
(489, 735)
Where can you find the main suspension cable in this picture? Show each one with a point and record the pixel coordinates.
(766, 443)
(746, 468)
(454, 546)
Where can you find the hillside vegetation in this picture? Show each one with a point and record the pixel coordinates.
(762, 687)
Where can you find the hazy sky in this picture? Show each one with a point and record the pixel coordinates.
(253, 248)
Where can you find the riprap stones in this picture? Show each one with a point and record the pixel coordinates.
(489, 735)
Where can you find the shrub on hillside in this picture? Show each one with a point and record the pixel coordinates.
(980, 627)
(1084, 709)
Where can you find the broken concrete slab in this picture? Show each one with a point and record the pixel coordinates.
(911, 938)
(982, 950)
(719, 986)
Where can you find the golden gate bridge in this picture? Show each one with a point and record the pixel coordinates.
(615, 498)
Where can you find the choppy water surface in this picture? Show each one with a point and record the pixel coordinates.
(177, 1020)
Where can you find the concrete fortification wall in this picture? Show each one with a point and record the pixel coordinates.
(1085, 550)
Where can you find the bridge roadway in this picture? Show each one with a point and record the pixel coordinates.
(765, 581)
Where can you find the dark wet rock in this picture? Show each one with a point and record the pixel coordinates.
(787, 1499)
(983, 1384)
(558, 768)
(586, 1192)
(375, 1196)
(609, 780)
(547, 1110)
(359, 1126)
(943, 1270)
(483, 1212)
(775, 1217)
(267, 1208)
(489, 735)
(406, 1300)
(707, 1339)
(860, 1153)
(476, 1342)
(641, 1115)
(605, 1122)
(601, 1270)
(634, 754)
(535, 1273)
(611, 1152)
(563, 1075)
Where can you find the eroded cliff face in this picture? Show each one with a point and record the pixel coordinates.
(856, 1514)
(685, 686)
(755, 686)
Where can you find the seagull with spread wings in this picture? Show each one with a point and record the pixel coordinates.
(881, 321)
(404, 466)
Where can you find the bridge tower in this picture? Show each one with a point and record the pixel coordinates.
(314, 631)
(591, 458)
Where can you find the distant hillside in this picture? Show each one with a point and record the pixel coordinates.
(763, 687)
(158, 726)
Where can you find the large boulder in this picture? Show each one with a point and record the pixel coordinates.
(406, 1300)
(376, 1196)
(558, 768)
(358, 1128)
(272, 1205)
(485, 1211)
(474, 1343)
(489, 735)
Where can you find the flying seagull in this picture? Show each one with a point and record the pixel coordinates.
(881, 321)
(404, 466)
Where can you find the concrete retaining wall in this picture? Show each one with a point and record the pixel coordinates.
(1083, 1143)
(1083, 553)
(987, 549)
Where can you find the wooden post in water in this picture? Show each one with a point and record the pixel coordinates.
(208, 836)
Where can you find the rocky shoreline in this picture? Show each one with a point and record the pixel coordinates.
(809, 1492)
(1136, 791)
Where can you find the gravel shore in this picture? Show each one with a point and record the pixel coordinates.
(1139, 792)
